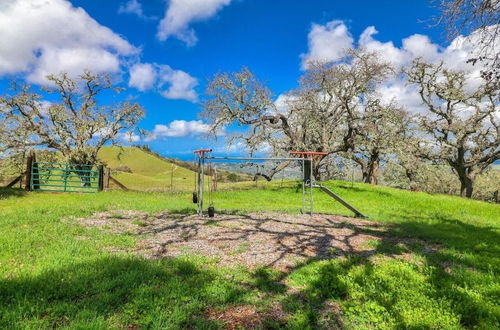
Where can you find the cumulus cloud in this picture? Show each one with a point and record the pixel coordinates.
(179, 128)
(39, 37)
(180, 13)
(180, 85)
(171, 84)
(142, 76)
(282, 102)
(327, 42)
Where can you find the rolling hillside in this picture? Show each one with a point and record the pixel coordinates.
(140, 170)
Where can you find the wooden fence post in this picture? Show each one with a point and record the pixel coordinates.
(29, 165)
(101, 178)
(107, 174)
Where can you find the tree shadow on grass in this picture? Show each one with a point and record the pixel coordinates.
(438, 275)
(420, 274)
(11, 192)
(122, 292)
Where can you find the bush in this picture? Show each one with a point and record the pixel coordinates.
(233, 177)
(123, 168)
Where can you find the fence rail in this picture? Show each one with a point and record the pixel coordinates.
(60, 177)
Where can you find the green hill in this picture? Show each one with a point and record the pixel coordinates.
(140, 170)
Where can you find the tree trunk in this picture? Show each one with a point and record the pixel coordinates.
(466, 186)
(466, 176)
(411, 176)
(370, 171)
(85, 178)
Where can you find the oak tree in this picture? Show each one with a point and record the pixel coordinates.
(462, 125)
(321, 114)
(76, 124)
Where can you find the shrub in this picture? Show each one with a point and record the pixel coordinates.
(123, 168)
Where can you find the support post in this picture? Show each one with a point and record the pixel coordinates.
(214, 179)
(341, 201)
(201, 183)
(118, 183)
(29, 167)
(107, 175)
(66, 169)
(16, 180)
(201, 173)
(303, 187)
(101, 178)
(311, 185)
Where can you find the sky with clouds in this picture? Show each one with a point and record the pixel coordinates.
(165, 50)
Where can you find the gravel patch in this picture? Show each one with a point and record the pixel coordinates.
(257, 239)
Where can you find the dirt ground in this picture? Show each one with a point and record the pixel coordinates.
(258, 239)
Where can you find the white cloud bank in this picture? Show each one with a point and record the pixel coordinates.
(179, 128)
(328, 43)
(180, 13)
(41, 37)
(171, 84)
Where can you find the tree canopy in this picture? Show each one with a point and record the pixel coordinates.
(77, 125)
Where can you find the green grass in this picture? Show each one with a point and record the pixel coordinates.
(54, 273)
(148, 171)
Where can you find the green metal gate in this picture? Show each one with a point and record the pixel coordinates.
(61, 177)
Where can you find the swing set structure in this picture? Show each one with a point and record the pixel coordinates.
(306, 160)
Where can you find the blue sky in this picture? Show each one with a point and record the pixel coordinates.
(179, 46)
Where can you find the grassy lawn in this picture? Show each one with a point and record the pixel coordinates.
(54, 273)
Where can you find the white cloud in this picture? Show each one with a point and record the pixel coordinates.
(282, 102)
(406, 96)
(134, 7)
(179, 128)
(39, 37)
(180, 13)
(180, 84)
(130, 137)
(142, 76)
(386, 49)
(171, 84)
(131, 7)
(327, 42)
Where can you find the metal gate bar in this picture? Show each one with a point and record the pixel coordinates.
(60, 177)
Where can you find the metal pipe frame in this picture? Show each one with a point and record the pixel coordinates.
(201, 174)
(254, 158)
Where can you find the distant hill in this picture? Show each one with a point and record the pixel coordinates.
(141, 170)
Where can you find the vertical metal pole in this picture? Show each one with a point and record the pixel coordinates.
(311, 180)
(303, 186)
(202, 182)
(66, 177)
(201, 162)
(198, 186)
